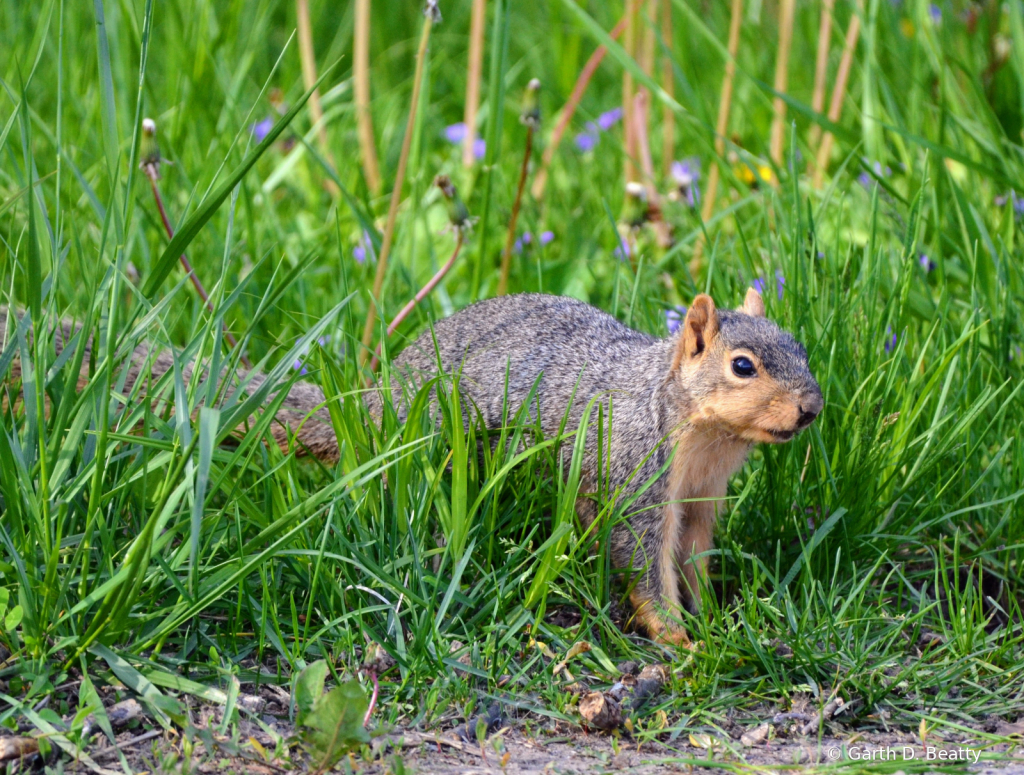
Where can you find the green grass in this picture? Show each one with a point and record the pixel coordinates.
(133, 543)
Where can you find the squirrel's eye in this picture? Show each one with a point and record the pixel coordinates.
(742, 367)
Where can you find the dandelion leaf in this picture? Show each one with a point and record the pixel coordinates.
(334, 726)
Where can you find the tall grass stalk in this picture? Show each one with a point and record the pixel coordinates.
(396, 192)
(721, 128)
(510, 238)
(474, 69)
(151, 171)
(641, 108)
(668, 83)
(835, 107)
(787, 10)
(821, 69)
(361, 79)
(630, 38)
(308, 57)
(495, 121)
(420, 296)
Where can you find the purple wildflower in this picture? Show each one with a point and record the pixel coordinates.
(890, 340)
(926, 263)
(455, 133)
(299, 364)
(588, 139)
(674, 318)
(527, 239)
(622, 251)
(1011, 198)
(686, 174)
(364, 249)
(780, 281)
(759, 285)
(882, 172)
(479, 148)
(935, 13)
(609, 118)
(262, 128)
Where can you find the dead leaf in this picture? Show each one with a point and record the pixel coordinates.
(17, 747)
(601, 711)
(757, 735)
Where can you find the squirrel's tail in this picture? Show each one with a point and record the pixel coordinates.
(301, 422)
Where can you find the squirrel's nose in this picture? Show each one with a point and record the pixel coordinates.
(806, 418)
(810, 407)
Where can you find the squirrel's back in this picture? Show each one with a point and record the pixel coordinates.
(576, 351)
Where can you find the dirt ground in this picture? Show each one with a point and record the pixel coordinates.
(530, 743)
(559, 748)
(577, 753)
(595, 754)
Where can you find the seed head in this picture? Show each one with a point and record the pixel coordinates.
(530, 115)
(149, 151)
(432, 12)
(458, 215)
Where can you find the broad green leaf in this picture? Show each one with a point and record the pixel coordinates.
(335, 725)
(309, 687)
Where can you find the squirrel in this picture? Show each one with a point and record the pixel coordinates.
(726, 380)
(690, 406)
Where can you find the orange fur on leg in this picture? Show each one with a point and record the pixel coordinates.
(655, 619)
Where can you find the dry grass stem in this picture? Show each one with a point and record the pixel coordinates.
(721, 127)
(661, 228)
(628, 90)
(309, 76)
(668, 83)
(787, 10)
(473, 70)
(647, 42)
(396, 193)
(838, 95)
(361, 76)
(423, 293)
(578, 90)
(151, 173)
(821, 67)
(506, 256)
(645, 58)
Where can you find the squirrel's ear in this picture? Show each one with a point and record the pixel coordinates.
(753, 304)
(699, 329)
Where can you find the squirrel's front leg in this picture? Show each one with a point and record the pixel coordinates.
(696, 533)
(649, 542)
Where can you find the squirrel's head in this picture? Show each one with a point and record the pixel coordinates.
(744, 372)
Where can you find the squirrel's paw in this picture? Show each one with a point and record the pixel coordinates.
(674, 636)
